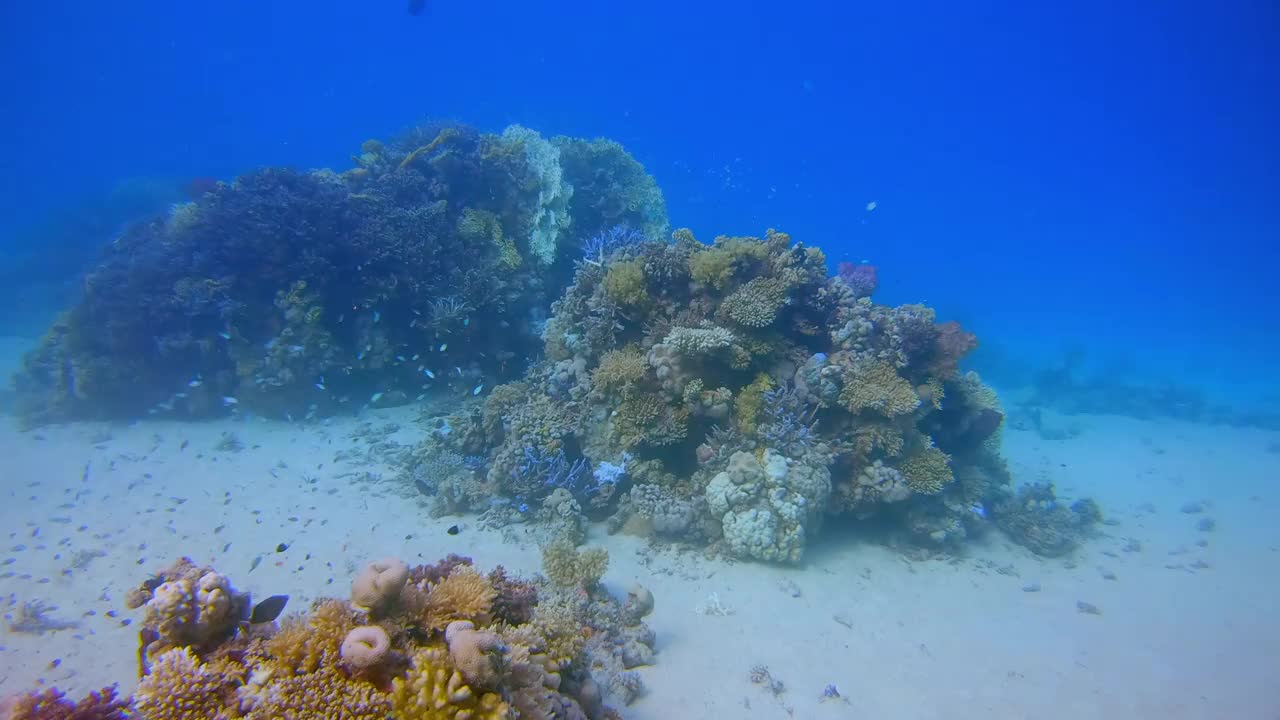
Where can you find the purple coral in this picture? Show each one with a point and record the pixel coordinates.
(862, 278)
(788, 421)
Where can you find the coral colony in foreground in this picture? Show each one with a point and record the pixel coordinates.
(736, 394)
(433, 642)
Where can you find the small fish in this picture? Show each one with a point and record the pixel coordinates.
(459, 371)
(524, 507)
(978, 509)
(466, 322)
(360, 355)
(375, 397)
(228, 400)
(320, 385)
(268, 610)
(180, 395)
(256, 562)
(871, 206)
(368, 348)
(282, 547)
(429, 374)
(454, 530)
(444, 346)
(478, 389)
(225, 335)
(416, 356)
(420, 397)
(342, 316)
(377, 316)
(197, 382)
(400, 358)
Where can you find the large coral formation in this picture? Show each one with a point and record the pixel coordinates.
(434, 651)
(752, 394)
(301, 293)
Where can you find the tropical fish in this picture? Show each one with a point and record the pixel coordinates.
(377, 316)
(466, 322)
(228, 400)
(871, 206)
(225, 335)
(978, 509)
(429, 374)
(268, 610)
(444, 346)
(478, 389)
(375, 397)
(320, 385)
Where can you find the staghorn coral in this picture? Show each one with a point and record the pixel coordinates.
(180, 687)
(464, 594)
(620, 371)
(877, 386)
(756, 304)
(566, 566)
(435, 690)
(927, 471)
(700, 340)
(327, 694)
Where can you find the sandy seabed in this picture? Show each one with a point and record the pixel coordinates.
(1188, 624)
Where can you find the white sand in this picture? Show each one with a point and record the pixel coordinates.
(933, 639)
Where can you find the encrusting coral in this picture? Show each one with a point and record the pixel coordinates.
(451, 644)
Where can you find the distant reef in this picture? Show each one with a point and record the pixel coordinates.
(288, 293)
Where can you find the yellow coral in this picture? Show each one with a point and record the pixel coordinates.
(931, 392)
(464, 595)
(749, 403)
(180, 687)
(620, 370)
(435, 690)
(444, 136)
(646, 419)
(625, 283)
(927, 471)
(482, 225)
(878, 386)
(567, 567)
(715, 266)
(304, 645)
(328, 694)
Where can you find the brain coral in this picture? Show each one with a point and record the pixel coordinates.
(767, 507)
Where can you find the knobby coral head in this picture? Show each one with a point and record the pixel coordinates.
(862, 278)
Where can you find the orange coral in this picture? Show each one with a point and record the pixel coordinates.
(303, 645)
(464, 595)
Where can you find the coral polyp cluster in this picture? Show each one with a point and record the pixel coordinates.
(740, 395)
(432, 642)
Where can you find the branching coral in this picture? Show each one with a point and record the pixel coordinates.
(52, 704)
(620, 371)
(464, 595)
(566, 566)
(180, 687)
(757, 303)
(305, 644)
(877, 386)
(625, 284)
(927, 471)
(696, 341)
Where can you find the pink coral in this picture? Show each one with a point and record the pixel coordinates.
(951, 344)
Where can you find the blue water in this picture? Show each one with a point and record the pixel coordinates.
(1078, 175)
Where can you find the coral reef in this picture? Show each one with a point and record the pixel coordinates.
(738, 394)
(431, 650)
(1034, 518)
(300, 294)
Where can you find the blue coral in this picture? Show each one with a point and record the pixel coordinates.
(599, 246)
(787, 421)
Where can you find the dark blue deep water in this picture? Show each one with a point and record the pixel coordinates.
(1087, 185)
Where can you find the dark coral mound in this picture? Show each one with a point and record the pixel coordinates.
(289, 292)
(737, 393)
